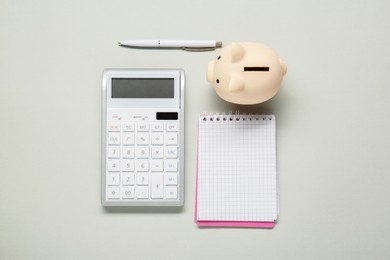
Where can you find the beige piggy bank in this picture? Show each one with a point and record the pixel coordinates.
(246, 73)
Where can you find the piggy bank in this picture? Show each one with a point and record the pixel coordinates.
(246, 73)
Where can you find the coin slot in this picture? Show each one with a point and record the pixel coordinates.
(256, 68)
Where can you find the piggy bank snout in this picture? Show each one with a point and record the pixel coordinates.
(210, 71)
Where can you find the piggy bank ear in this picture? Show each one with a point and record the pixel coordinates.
(236, 83)
(284, 66)
(237, 52)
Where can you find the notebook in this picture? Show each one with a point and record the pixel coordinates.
(236, 171)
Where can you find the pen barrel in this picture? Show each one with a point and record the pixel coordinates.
(195, 44)
(189, 43)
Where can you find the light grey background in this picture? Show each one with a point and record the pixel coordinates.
(332, 113)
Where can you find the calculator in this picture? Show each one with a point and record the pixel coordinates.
(143, 137)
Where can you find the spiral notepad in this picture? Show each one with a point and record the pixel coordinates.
(236, 171)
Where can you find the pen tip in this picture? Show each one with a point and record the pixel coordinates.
(119, 43)
(218, 44)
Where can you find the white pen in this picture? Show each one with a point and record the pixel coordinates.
(189, 45)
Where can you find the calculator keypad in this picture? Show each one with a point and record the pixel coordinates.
(142, 161)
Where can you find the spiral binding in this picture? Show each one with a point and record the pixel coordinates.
(235, 116)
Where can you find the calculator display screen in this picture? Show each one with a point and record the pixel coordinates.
(142, 88)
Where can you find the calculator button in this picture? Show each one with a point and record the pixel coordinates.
(114, 138)
(171, 139)
(128, 127)
(142, 166)
(113, 152)
(113, 179)
(128, 139)
(127, 165)
(171, 152)
(143, 138)
(157, 152)
(171, 179)
(142, 152)
(128, 152)
(113, 192)
(157, 188)
(158, 138)
(113, 127)
(156, 165)
(157, 127)
(171, 165)
(143, 127)
(172, 127)
(113, 166)
(127, 192)
(127, 179)
(142, 179)
(142, 192)
(171, 193)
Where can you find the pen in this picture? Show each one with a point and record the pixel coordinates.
(189, 45)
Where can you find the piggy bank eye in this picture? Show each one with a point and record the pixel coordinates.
(217, 81)
(219, 57)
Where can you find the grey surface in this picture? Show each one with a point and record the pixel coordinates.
(332, 127)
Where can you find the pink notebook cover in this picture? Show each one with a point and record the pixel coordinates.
(224, 223)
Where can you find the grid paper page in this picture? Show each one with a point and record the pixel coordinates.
(236, 168)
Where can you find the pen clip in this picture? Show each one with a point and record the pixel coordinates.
(199, 49)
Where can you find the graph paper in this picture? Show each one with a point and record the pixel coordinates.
(236, 170)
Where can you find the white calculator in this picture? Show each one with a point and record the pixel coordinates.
(143, 137)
